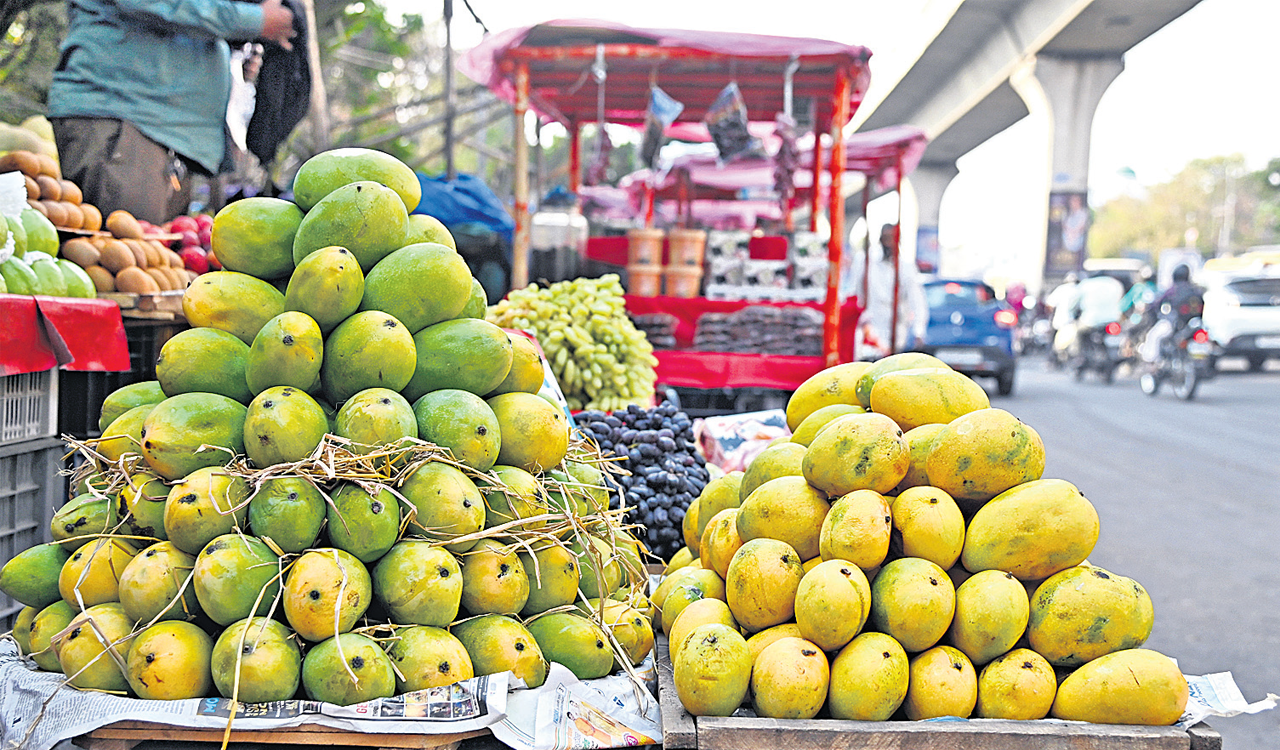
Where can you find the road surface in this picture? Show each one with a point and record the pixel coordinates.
(1188, 494)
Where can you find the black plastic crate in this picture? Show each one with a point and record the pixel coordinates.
(31, 489)
(80, 394)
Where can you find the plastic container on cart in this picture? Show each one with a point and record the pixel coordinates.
(644, 247)
(724, 270)
(765, 273)
(686, 248)
(683, 281)
(28, 406)
(644, 280)
(30, 490)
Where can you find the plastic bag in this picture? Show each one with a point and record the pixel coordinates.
(661, 112)
(727, 121)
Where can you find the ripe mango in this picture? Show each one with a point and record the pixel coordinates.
(289, 511)
(761, 586)
(142, 503)
(367, 350)
(287, 351)
(233, 302)
(329, 170)
(462, 422)
(366, 218)
(82, 652)
(365, 525)
(255, 236)
(497, 643)
(1019, 685)
(553, 577)
(857, 452)
(420, 285)
(913, 601)
(718, 494)
(283, 425)
(535, 433)
(1032, 530)
(600, 572)
(520, 499)
(347, 669)
(781, 460)
(151, 582)
(857, 529)
(927, 523)
(263, 655)
(700, 612)
(375, 417)
(869, 679)
(926, 395)
(983, 453)
(1083, 613)
(789, 680)
(427, 657)
(1134, 686)
(47, 623)
(991, 615)
(713, 671)
(494, 580)
(758, 642)
(892, 363)
(445, 505)
(815, 422)
(170, 661)
(942, 683)
(177, 427)
(527, 372)
(235, 577)
(575, 642)
(832, 604)
(465, 354)
(327, 286)
(92, 574)
(788, 509)
(206, 504)
(418, 584)
(720, 541)
(834, 385)
(22, 629)
(326, 592)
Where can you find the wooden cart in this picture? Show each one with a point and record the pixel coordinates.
(125, 735)
(684, 732)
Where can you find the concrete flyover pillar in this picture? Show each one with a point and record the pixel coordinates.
(1072, 86)
(930, 181)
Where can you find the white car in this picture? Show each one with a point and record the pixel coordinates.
(1242, 313)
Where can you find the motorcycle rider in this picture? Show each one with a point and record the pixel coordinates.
(1098, 299)
(1062, 301)
(1174, 308)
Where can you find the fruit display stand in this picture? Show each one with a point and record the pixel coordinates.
(681, 731)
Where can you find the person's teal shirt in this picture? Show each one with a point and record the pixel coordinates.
(161, 65)
(1142, 291)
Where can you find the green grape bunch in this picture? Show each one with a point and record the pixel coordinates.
(600, 358)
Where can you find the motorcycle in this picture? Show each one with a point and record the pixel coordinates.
(1098, 350)
(1184, 359)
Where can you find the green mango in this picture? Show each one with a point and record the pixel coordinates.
(327, 285)
(82, 516)
(255, 236)
(446, 504)
(19, 277)
(78, 282)
(362, 524)
(48, 622)
(206, 504)
(124, 434)
(325, 678)
(477, 303)
(233, 572)
(127, 397)
(142, 503)
(418, 583)
(151, 581)
(367, 350)
(428, 657)
(289, 511)
(375, 417)
(283, 425)
(461, 422)
(366, 218)
(420, 285)
(233, 302)
(574, 641)
(47, 273)
(424, 228)
(287, 351)
(31, 577)
(265, 657)
(204, 360)
(179, 425)
(468, 354)
(329, 170)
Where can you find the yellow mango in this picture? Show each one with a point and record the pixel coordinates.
(926, 395)
(1136, 686)
(1032, 530)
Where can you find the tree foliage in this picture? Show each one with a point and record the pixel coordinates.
(1191, 210)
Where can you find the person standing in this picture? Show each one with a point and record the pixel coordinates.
(140, 91)
(873, 339)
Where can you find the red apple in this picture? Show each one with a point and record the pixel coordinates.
(205, 236)
(182, 224)
(190, 239)
(213, 262)
(204, 221)
(194, 259)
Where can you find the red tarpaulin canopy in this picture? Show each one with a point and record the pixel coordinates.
(549, 67)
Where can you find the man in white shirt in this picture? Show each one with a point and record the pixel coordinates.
(1098, 300)
(1062, 300)
(873, 334)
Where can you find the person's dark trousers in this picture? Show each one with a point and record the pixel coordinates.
(116, 166)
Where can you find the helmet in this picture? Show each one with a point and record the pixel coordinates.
(1182, 272)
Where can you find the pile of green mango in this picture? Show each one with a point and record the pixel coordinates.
(219, 559)
(34, 268)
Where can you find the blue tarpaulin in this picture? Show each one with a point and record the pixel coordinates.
(465, 200)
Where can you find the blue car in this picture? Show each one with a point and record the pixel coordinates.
(971, 330)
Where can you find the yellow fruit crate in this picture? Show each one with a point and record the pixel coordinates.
(681, 731)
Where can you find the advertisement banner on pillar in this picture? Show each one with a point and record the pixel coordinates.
(1068, 233)
(928, 252)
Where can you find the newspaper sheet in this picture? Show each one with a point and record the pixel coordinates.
(566, 713)
(39, 711)
(1218, 695)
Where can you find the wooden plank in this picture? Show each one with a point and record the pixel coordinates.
(679, 731)
(307, 734)
(728, 733)
(1204, 737)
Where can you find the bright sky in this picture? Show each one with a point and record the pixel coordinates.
(1200, 87)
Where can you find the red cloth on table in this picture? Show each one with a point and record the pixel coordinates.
(688, 310)
(40, 333)
(608, 250)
